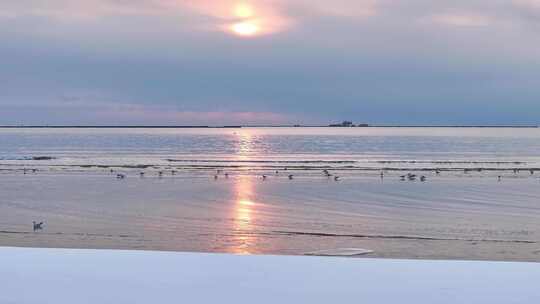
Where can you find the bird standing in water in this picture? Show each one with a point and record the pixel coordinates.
(37, 226)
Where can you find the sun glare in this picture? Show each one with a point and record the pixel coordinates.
(243, 11)
(245, 28)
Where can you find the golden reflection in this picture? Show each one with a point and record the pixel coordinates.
(245, 145)
(243, 213)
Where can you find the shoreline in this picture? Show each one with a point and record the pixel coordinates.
(361, 256)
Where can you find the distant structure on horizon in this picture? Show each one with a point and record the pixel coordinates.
(347, 124)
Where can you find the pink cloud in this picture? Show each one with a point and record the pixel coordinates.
(261, 17)
(128, 113)
(461, 19)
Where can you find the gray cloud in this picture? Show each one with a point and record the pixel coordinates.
(380, 61)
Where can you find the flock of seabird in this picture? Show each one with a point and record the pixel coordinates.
(326, 172)
(407, 177)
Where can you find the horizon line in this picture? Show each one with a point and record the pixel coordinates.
(259, 126)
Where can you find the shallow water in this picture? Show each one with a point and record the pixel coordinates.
(461, 214)
(355, 148)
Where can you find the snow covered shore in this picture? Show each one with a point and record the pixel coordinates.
(59, 276)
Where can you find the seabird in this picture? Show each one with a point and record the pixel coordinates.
(264, 177)
(37, 226)
(290, 176)
(120, 176)
(336, 178)
(423, 178)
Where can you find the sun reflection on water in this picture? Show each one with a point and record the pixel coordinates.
(244, 145)
(244, 208)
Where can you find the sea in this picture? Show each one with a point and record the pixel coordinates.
(452, 193)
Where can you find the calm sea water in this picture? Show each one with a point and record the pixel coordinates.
(353, 148)
(211, 195)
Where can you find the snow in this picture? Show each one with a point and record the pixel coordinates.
(110, 276)
(341, 252)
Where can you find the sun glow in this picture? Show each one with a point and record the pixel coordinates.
(243, 11)
(244, 18)
(245, 28)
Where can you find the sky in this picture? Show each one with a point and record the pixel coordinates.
(185, 62)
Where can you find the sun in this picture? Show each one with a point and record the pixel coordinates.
(245, 28)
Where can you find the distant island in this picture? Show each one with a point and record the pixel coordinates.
(348, 124)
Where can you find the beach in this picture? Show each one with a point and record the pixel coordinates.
(473, 205)
(444, 218)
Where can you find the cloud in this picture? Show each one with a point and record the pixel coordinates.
(73, 10)
(532, 4)
(528, 9)
(150, 114)
(174, 61)
(262, 17)
(75, 111)
(461, 20)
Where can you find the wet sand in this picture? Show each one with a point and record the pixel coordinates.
(447, 217)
